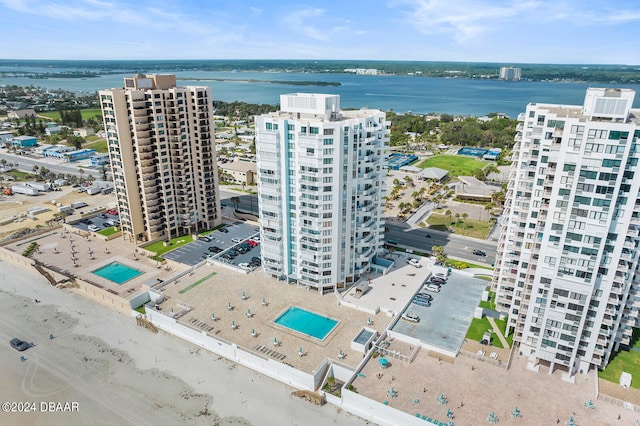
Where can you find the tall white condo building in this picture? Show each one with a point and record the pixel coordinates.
(566, 270)
(321, 186)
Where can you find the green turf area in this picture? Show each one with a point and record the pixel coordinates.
(628, 361)
(467, 227)
(159, 248)
(109, 231)
(200, 281)
(99, 146)
(86, 114)
(19, 176)
(457, 165)
(459, 264)
(479, 326)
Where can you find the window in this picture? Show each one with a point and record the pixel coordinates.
(569, 167)
(291, 127)
(588, 174)
(313, 130)
(327, 142)
(610, 163)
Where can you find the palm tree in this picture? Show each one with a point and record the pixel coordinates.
(408, 180)
(448, 213)
(491, 168)
(489, 207)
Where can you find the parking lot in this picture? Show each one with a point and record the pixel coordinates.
(99, 222)
(219, 247)
(444, 324)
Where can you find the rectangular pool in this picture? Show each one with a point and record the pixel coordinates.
(117, 272)
(306, 322)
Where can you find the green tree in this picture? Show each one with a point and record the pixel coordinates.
(441, 256)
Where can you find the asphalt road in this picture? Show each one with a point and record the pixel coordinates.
(26, 163)
(456, 246)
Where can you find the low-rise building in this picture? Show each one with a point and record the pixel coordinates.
(23, 141)
(83, 132)
(242, 172)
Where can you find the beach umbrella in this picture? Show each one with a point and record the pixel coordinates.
(248, 312)
(213, 317)
(253, 333)
(233, 325)
(275, 341)
(228, 306)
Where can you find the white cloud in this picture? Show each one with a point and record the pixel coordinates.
(463, 19)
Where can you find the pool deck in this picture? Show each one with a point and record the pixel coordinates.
(55, 251)
(228, 286)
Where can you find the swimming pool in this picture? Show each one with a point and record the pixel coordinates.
(306, 322)
(117, 272)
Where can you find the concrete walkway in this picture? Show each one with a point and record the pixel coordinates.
(498, 333)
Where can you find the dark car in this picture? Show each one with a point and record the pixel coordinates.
(479, 252)
(256, 260)
(19, 345)
(215, 249)
(225, 230)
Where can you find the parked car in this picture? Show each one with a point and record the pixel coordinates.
(432, 287)
(425, 296)
(437, 280)
(112, 211)
(481, 253)
(19, 345)
(215, 249)
(236, 240)
(93, 228)
(206, 255)
(204, 238)
(257, 260)
(410, 317)
(414, 262)
(224, 230)
(111, 222)
(243, 265)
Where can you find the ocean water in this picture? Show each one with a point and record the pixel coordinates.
(419, 95)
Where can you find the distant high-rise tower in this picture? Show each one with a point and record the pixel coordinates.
(510, 73)
(321, 186)
(163, 158)
(567, 264)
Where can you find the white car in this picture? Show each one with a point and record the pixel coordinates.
(93, 228)
(236, 240)
(410, 317)
(243, 265)
(432, 287)
(414, 262)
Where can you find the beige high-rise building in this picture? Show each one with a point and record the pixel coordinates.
(163, 158)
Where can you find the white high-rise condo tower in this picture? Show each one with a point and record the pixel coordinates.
(163, 158)
(566, 270)
(321, 185)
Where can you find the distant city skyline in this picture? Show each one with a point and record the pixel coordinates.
(521, 31)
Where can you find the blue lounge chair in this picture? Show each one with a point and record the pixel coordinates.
(386, 403)
(418, 415)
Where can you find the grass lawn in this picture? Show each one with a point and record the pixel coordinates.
(20, 176)
(100, 145)
(457, 165)
(468, 227)
(86, 114)
(109, 231)
(479, 326)
(459, 264)
(159, 248)
(628, 361)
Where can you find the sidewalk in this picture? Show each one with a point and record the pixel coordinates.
(498, 333)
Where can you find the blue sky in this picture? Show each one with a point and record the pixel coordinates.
(518, 31)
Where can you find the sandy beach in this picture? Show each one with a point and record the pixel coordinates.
(119, 373)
